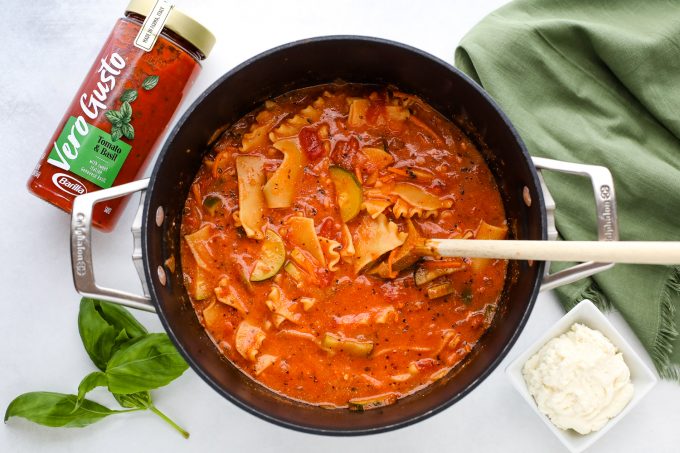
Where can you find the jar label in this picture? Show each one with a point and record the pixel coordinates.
(153, 25)
(89, 152)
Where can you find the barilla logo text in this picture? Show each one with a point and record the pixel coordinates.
(91, 105)
(68, 184)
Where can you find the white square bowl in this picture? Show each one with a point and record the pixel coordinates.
(641, 376)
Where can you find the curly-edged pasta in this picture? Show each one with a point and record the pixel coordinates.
(403, 209)
(281, 307)
(308, 115)
(347, 251)
(375, 237)
(331, 252)
(305, 245)
(248, 340)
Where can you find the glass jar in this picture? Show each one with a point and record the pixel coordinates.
(123, 107)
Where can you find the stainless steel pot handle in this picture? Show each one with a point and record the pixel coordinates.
(605, 207)
(81, 247)
(81, 229)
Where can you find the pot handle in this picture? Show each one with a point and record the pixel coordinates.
(605, 207)
(81, 247)
(81, 229)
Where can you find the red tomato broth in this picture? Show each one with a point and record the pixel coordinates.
(422, 338)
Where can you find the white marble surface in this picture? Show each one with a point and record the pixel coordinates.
(47, 47)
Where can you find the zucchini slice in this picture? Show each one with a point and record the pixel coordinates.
(211, 203)
(348, 190)
(272, 257)
(372, 402)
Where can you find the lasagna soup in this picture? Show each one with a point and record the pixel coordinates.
(303, 250)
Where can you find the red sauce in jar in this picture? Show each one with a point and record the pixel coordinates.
(117, 117)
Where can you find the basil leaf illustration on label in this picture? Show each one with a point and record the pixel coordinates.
(128, 131)
(57, 409)
(146, 364)
(116, 133)
(129, 95)
(114, 117)
(150, 82)
(125, 112)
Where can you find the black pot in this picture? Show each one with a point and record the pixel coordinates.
(275, 72)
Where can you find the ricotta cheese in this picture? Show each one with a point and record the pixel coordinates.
(579, 380)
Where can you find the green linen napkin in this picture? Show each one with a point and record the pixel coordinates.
(598, 82)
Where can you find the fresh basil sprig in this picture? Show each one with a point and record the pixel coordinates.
(131, 362)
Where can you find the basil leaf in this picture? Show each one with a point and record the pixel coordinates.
(98, 336)
(121, 339)
(120, 319)
(125, 112)
(129, 95)
(144, 364)
(113, 116)
(128, 131)
(104, 328)
(141, 400)
(90, 382)
(150, 82)
(116, 133)
(56, 410)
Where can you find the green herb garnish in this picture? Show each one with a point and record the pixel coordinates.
(128, 131)
(466, 295)
(131, 362)
(125, 112)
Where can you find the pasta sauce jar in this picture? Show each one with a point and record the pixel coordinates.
(123, 107)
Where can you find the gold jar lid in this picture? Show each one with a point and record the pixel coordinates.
(178, 22)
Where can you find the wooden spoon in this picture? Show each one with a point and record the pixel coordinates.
(639, 252)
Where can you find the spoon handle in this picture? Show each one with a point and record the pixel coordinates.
(640, 252)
